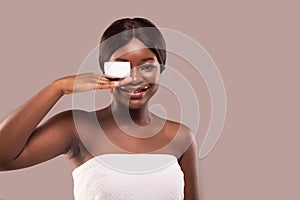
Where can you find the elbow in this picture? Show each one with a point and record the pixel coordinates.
(5, 165)
(3, 168)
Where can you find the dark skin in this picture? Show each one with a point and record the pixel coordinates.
(26, 144)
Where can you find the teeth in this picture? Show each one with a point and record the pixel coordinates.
(138, 90)
(145, 88)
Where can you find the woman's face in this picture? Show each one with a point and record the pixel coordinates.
(145, 74)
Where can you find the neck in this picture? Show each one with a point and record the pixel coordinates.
(140, 116)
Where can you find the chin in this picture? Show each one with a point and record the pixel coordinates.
(132, 104)
(135, 104)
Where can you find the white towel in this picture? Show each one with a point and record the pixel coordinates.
(129, 177)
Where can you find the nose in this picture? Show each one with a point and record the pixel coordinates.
(136, 76)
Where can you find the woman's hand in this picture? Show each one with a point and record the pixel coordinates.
(86, 82)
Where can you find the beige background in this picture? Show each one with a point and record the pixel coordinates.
(254, 43)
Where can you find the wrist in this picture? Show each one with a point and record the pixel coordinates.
(58, 85)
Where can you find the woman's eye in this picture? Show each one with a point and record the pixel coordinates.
(147, 68)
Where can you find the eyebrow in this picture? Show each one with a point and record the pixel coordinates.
(143, 60)
(121, 59)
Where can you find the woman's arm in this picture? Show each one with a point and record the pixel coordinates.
(16, 129)
(189, 166)
(23, 144)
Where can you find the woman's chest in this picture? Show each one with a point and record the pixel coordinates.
(110, 139)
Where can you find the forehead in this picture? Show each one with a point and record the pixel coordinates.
(135, 49)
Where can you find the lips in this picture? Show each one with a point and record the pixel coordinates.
(135, 92)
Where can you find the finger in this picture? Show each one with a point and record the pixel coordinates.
(124, 81)
(107, 85)
(103, 78)
(103, 81)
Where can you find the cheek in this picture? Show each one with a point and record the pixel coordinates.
(155, 88)
(113, 91)
(153, 78)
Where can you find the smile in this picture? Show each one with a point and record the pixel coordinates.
(135, 92)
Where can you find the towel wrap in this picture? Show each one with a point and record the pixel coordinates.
(129, 177)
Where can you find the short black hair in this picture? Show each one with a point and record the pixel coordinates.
(125, 30)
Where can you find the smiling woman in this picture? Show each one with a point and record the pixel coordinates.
(145, 74)
(137, 155)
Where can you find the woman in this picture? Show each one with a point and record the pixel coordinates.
(128, 128)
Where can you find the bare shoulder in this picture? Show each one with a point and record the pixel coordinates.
(68, 118)
(182, 136)
(76, 116)
(179, 130)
